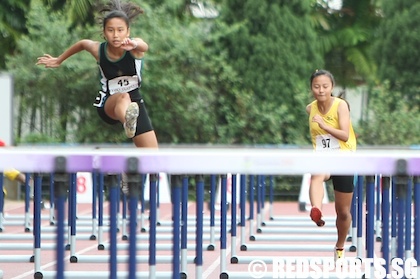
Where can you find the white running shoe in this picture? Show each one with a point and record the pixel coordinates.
(131, 115)
(124, 184)
(338, 254)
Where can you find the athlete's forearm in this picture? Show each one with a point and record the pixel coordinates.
(337, 133)
(141, 45)
(76, 48)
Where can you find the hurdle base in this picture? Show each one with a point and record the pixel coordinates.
(224, 275)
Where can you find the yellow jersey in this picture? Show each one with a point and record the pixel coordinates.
(322, 140)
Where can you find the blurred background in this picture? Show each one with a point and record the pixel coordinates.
(219, 72)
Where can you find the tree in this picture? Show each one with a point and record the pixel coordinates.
(79, 13)
(391, 120)
(346, 37)
(397, 50)
(394, 99)
(12, 25)
(52, 103)
(180, 82)
(273, 49)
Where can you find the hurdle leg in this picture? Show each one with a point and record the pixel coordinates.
(61, 180)
(223, 230)
(360, 182)
(378, 223)
(101, 211)
(386, 185)
(152, 224)
(251, 207)
(242, 197)
(176, 203)
(370, 215)
(73, 216)
(124, 235)
(158, 199)
(402, 186)
(259, 198)
(113, 204)
(263, 188)
(37, 225)
(233, 220)
(134, 181)
(199, 226)
(95, 175)
(394, 207)
(416, 182)
(353, 229)
(143, 205)
(271, 197)
(409, 194)
(370, 218)
(184, 227)
(52, 197)
(27, 205)
(1, 203)
(402, 199)
(212, 207)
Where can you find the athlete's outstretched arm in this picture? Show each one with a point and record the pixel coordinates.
(54, 62)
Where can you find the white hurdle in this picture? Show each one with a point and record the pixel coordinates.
(177, 162)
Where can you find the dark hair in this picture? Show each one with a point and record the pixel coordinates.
(321, 73)
(117, 9)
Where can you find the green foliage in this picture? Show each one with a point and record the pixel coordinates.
(397, 50)
(241, 78)
(391, 121)
(53, 101)
(274, 50)
(12, 25)
(346, 38)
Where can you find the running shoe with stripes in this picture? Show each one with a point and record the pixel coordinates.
(131, 115)
(316, 216)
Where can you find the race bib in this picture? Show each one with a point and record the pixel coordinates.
(123, 84)
(326, 142)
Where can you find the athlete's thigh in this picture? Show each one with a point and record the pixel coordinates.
(146, 140)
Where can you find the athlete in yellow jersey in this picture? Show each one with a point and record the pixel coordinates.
(331, 129)
(12, 174)
(322, 140)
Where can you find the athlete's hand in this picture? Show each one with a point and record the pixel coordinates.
(48, 61)
(318, 119)
(129, 44)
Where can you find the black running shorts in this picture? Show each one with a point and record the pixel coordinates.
(143, 121)
(343, 183)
